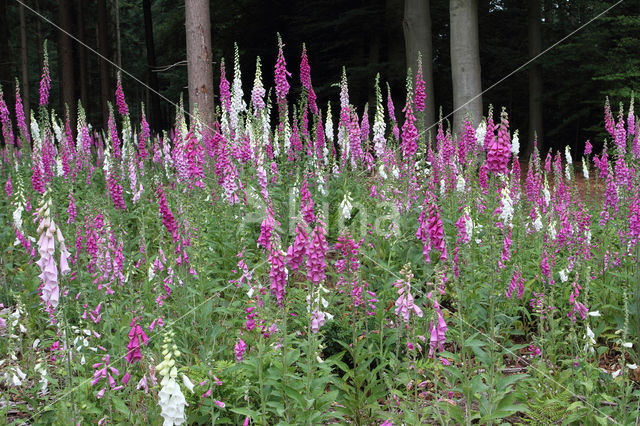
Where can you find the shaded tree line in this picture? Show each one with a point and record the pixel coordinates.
(559, 96)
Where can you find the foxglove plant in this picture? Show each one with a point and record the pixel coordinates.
(20, 119)
(379, 140)
(392, 114)
(430, 230)
(409, 130)
(278, 273)
(45, 81)
(317, 249)
(355, 143)
(328, 130)
(305, 79)
(258, 92)
(145, 134)
(420, 95)
(170, 398)
(404, 303)
(437, 329)
(113, 134)
(104, 370)
(282, 85)
(345, 118)
(71, 210)
(5, 119)
(137, 337)
(123, 109)
(499, 150)
(238, 104)
(609, 121)
(49, 232)
(297, 251)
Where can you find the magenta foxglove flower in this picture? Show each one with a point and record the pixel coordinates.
(225, 89)
(634, 217)
(420, 95)
(122, 105)
(195, 160)
(437, 331)
(499, 150)
(277, 274)
(355, 141)
(390, 107)
(71, 210)
(45, 81)
(281, 73)
(609, 121)
(266, 229)
(587, 148)
(296, 252)
(167, 216)
(306, 203)
(137, 336)
(113, 133)
(7, 126)
(409, 130)
(317, 249)
(468, 142)
(431, 227)
(115, 190)
(145, 134)
(8, 187)
(305, 79)
(20, 118)
(517, 284)
(404, 303)
(239, 350)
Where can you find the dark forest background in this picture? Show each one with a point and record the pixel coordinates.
(366, 37)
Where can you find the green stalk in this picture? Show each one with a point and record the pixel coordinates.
(263, 408)
(66, 342)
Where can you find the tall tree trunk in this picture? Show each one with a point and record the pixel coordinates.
(39, 36)
(24, 65)
(65, 49)
(374, 60)
(6, 58)
(395, 44)
(116, 8)
(465, 62)
(152, 77)
(82, 55)
(103, 49)
(535, 78)
(199, 69)
(417, 38)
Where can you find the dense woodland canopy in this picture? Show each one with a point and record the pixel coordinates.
(364, 36)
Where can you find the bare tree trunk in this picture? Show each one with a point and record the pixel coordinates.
(199, 69)
(535, 78)
(395, 44)
(25, 66)
(103, 49)
(417, 38)
(65, 49)
(374, 59)
(116, 7)
(82, 55)
(465, 62)
(6, 58)
(152, 77)
(39, 36)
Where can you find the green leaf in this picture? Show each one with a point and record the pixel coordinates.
(120, 405)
